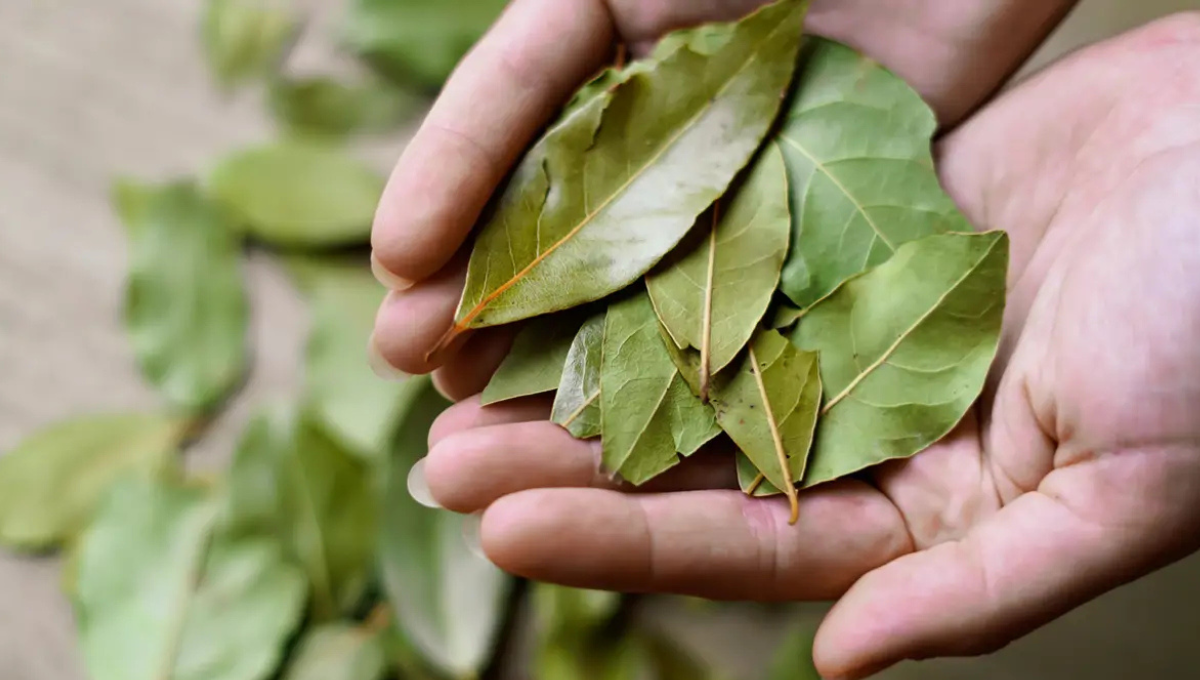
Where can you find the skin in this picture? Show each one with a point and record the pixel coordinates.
(1078, 471)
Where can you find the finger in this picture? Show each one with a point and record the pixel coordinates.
(1048, 552)
(469, 470)
(410, 322)
(713, 544)
(468, 371)
(503, 92)
(470, 414)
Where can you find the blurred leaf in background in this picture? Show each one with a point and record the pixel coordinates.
(340, 651)
(570, 623)
(419, 41)
(246, 39)
(53, 481)
(299, 193)
(793, 658)
(164, 592)
(449, 600)
(326, 107)
(185, 302)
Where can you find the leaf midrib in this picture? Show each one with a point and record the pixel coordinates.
(178, 623)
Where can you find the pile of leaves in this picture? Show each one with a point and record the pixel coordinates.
(305, 557)
(742, 234)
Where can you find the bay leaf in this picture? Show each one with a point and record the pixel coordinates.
(327, 107)
(185, 311)
(619, 180)
(340, 390)
(711, 296)
(534, 365)
(905, 350)
(245, 39)
(162, 593)
(751, 481)
(299, 193)
(52, 482)
(339, 651)
(569, 624)
(448, 600)
(291, 479)
(769, 408)
(577, 401)
(419, 41)
(856, 140)
(647, 411)
(793, 659)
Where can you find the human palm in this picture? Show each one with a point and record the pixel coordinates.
(1078, 470)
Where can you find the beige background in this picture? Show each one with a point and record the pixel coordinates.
(89, 88)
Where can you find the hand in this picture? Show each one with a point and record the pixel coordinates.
(1080, 469)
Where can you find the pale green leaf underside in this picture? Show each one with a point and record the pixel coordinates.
(577, 401)
(534, 365)
(622, 177)
(905, 350)
(338, 651)
(856, 140)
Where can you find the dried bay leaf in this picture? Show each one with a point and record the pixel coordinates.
(244, 39)
(534, 365)
(327, 107)
(620, 179)
(856, 140)
(163, 592)
(769, 408)
(185, 311)
(647, 411)
(339, 651)
(577, 401)
(51, 483)
(711, 297)
(905, 350)
(299, 193)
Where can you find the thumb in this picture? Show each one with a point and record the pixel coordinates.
(1088, 529)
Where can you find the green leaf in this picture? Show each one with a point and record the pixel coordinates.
(857, 144)
(711, 295)
(339, 651)
(418, 40)
(793, 659)
(291, 479)
(769, 407)
(327, 107)
(52, 482)
(905, 350)
(534, 365)
(245, 39)
(617, 183)
(185, 303)
(296, 193)
(577, 401)
(163, 593)
(447, 599)
(341, 391)
(648, 413)
(569, 624)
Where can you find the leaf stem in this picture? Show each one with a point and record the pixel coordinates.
(790, 485)
(753, 488)
(706, 328)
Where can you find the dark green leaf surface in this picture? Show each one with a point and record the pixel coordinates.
(418, 40)
(448, 600)
(297, 193)
(534, 365)
(856, 140)
(648, 413)
(905, 350)
(330, 108)
(163, 594)
(618, 182)
(771, 401)
(339, 651)
(185, 306)
(793, 660)
(577, 401)
(711, 295)
(246, 39)
(52, 482)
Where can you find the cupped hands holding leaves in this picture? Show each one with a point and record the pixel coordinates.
(1077, 470)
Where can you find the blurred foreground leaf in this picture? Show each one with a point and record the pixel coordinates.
(164, 594)
(245, 39)
(327, 107)
(297, 193)
(52, 482)
(447, 599)
(339, 651)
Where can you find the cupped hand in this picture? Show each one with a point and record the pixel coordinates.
(1078, 471)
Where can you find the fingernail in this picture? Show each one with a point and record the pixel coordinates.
(471, 527)
(418, 486)
(380, 366)
(385, 277)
